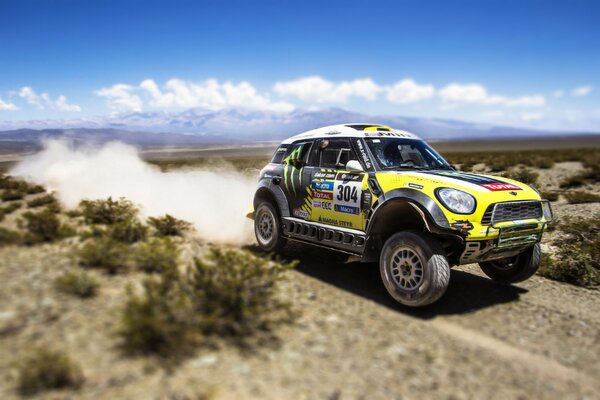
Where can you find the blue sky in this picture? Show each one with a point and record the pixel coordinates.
(526, 63)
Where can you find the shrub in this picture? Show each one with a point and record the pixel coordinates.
(498, 164)
(169, 225)
(105, 253)
(8, 209)
(571, 182)
(107, 211)
(11, 195)
(128, 231)
(78, 283)
(9, 237)
(541, 162)
(552, 196)
(577, 260)
(45, 370)
(42, 226)
(581, 197)
(157, 255)
(524, 175)
(231, 293)
(41, 201)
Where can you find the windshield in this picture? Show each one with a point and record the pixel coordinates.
(392, 153)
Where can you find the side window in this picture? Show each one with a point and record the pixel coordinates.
(279, 154)
(299, 151)
(335, 153)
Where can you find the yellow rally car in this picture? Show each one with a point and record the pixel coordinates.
(383, 194)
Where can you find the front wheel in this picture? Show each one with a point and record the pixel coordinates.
(414, 269)
(514, 269)
(267, 228)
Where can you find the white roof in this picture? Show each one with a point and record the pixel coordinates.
(354, 130)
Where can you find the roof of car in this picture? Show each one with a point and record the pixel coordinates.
(355, 130)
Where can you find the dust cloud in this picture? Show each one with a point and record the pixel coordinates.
(215, 200)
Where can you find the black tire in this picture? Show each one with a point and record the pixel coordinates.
(414, 251)
(514, 269)
(267, 228)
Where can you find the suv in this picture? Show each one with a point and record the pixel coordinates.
(381, 194)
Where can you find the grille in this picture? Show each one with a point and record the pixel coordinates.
(512, 211)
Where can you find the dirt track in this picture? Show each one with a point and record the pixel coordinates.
(483, 340)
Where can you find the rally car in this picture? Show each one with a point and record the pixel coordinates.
(381, 194)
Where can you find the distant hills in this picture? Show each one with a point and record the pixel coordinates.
(198, 126)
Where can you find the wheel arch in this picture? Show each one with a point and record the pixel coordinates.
(274, 195)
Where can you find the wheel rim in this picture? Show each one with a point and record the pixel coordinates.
(406, 269)
(505, 264)
(265, 227)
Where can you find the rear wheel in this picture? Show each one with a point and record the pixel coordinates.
(267, 228)
(514, 269)
(414, 269)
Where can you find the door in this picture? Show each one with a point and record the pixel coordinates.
(296, 178)
(337, 195)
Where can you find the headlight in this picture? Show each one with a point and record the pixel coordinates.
(456, 201)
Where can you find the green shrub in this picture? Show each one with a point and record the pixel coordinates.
(581, 197)
(541, 162)
(571, 182)
(524, 175)
(499, 164)
(41, 201)
(169, 225)
(9, 237)
(577, 260)
(552, 196)
(157, 255)
(231, 293)
(128, 231)
(8, 209)
(107, 211)
(11, 195)
(104, 253)
(78, 283)
(45, 370)
(42, 226)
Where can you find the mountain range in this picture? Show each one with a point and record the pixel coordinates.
(199, 126)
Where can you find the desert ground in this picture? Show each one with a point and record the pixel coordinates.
(347, 340)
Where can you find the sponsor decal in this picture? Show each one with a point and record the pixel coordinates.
(323, 195)
(414, 186)
(324, 205)
(324, 175)
(322, 185)
(495, 187)
(349, 177)
(363, 154)
(347, 193)
(300, 213)
(332, 221)
(463, 226)
(383, 134)
(347, 209)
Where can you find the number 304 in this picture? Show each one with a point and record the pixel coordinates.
(347, 193)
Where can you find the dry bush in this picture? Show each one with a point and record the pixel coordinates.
(41, 201)
(231, 293)
(46, 370)
(107, 211)
(8, 209)
(8, 236)
(44, 226)
(78, 283)
(572, 182)
(157, 255)
(577, 260)
(128, 231)
(524, 175)
(104, 253)
(581, 197)
(12, 195)
(551, 196)
(169, 225)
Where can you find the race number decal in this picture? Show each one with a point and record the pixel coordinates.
(346, 196)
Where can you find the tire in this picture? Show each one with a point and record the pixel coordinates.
(514, 269)
(403, 256)
(267, 228)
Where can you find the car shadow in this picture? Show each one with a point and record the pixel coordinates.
(466, 293)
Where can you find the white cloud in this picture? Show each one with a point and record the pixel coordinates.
(7, 106)
(41, 101)
(529, 117)
(319, 90)
(558, 93)
(408, 91)
(581, 91)
(120, 97)
(454, 94)
(210, 94)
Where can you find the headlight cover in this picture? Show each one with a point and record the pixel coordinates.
(457, 201)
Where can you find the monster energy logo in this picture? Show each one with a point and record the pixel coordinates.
(294, 156)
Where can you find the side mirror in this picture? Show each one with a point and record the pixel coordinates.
(354, 166)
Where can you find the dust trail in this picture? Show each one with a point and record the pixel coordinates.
(214, 200)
